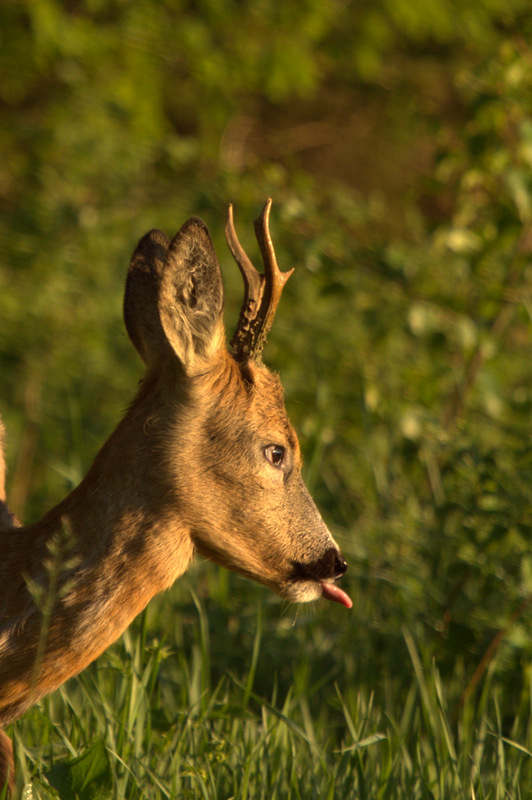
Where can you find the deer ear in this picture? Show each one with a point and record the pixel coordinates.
(191, 296)
(140, 300)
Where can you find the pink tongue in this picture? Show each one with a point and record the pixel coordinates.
(332, 592)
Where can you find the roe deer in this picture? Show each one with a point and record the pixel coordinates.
(204, 460)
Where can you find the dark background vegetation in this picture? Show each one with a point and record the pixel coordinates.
(395, 137)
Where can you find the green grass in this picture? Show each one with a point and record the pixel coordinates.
(153, 720)
(403, 343)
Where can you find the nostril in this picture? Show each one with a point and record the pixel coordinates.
(340, 564)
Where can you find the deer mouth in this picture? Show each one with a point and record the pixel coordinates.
(317, 579)
(306, 590)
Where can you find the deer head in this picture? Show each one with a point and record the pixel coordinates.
(232, 461)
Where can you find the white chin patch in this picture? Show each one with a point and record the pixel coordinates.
(303, 592)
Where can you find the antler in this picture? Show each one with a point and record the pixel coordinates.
(261, 292)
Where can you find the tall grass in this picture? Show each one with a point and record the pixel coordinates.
(150, 720)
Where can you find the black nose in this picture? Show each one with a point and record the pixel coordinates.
(340, 564)
(330, 565)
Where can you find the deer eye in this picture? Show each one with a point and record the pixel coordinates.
(275, 453)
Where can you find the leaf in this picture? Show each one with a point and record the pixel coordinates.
(87, 777)
(90, 772)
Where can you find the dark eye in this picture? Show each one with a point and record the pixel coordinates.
(275, 453)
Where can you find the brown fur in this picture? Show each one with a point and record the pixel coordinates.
(7, 765)
(185, 470)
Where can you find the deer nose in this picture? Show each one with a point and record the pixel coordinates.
(340, 564)
(330, 565)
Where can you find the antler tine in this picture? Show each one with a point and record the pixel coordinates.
(275, 279)
(241, 342)
(262, 292)
(253, 280)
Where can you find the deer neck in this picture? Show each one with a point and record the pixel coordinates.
(87, 568)
(124, 517)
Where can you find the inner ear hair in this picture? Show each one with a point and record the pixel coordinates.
(191, 295)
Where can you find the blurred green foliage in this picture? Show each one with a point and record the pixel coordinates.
(396, 141)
